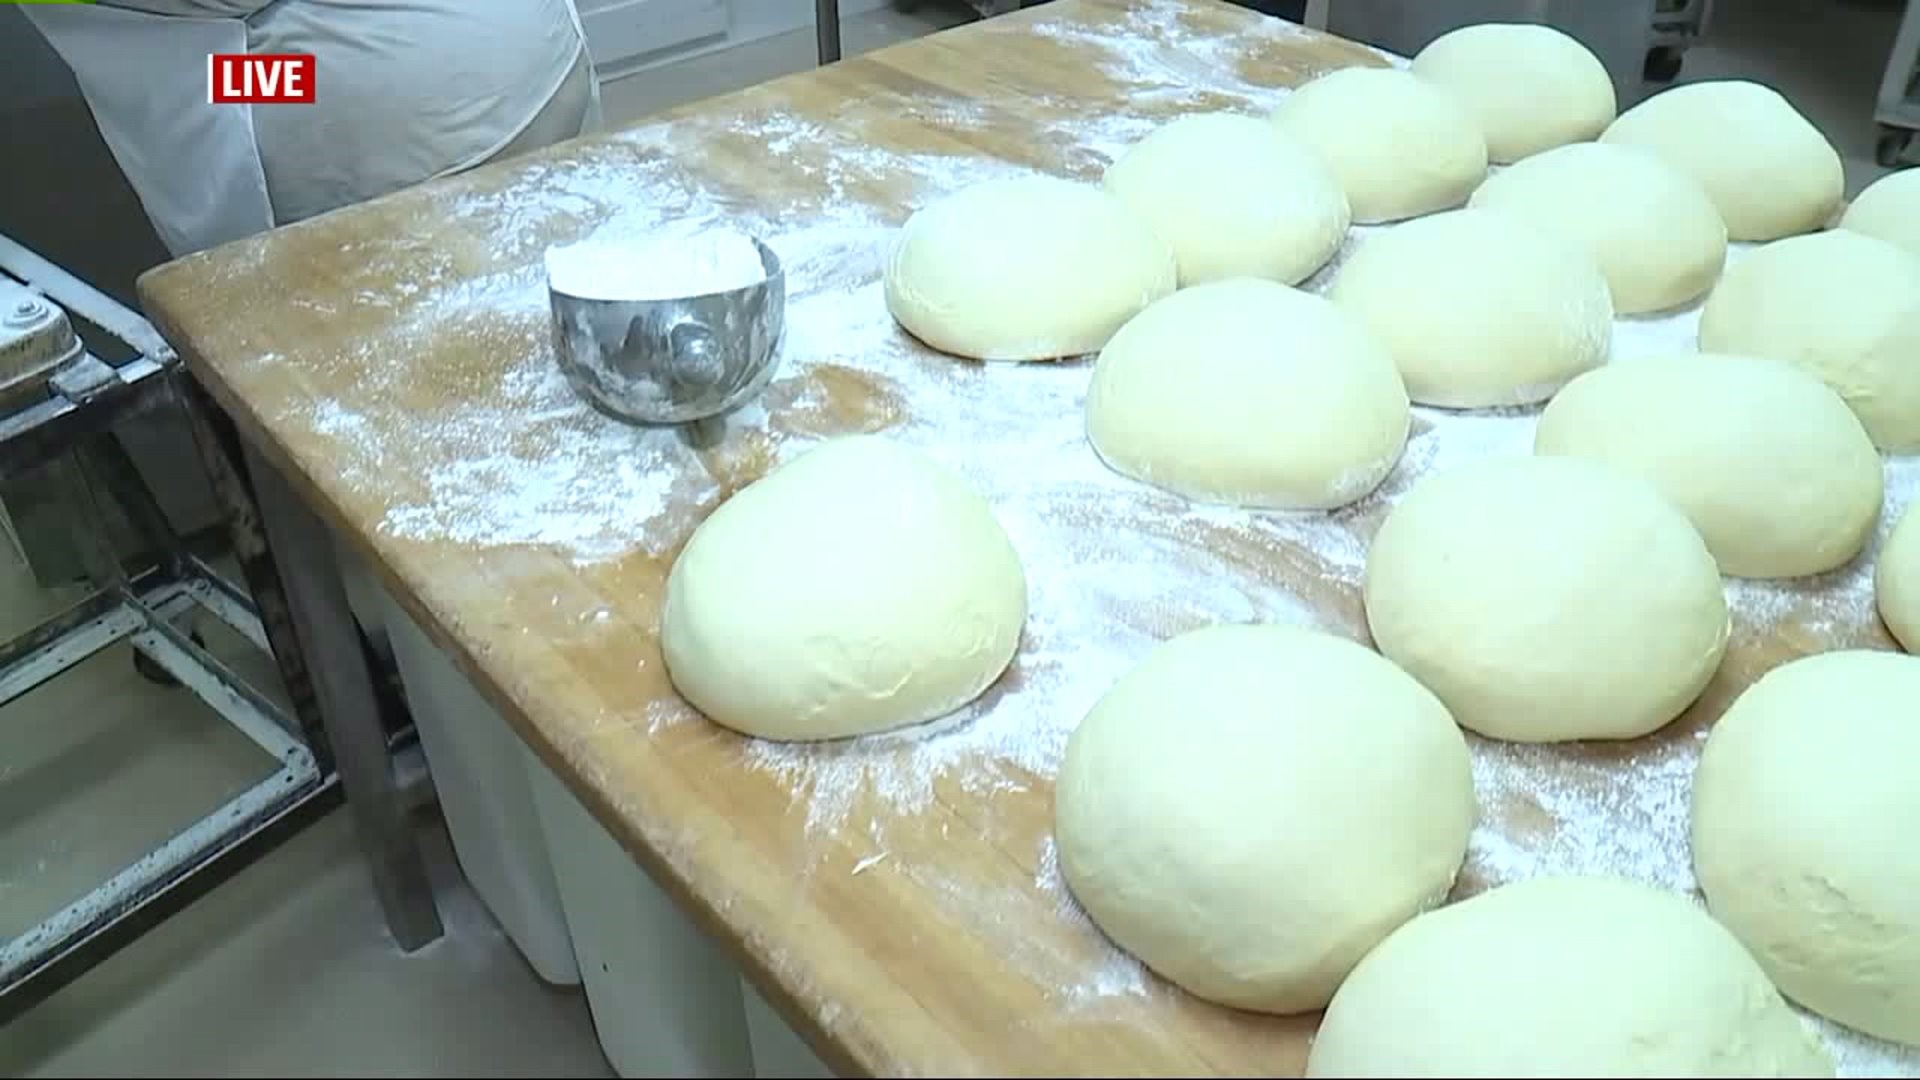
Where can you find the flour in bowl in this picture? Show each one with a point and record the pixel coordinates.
(666, 268)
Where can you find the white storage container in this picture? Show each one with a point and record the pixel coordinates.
(777, 1051)
(478, 773)
(666, 999)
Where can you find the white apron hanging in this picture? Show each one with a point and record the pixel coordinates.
(194, 165)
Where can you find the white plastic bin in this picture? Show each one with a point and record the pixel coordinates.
(484, 796)
(777, 1051)
(666, 999)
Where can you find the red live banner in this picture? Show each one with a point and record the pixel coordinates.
(259, 78)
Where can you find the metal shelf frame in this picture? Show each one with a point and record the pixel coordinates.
(333, 745)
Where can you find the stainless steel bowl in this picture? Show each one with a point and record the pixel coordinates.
(673, 361)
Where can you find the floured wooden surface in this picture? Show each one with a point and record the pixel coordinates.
(900, 892)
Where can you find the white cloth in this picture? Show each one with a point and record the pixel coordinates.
(195, 166)
(404, 92)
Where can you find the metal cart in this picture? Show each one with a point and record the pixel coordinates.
(1898, 109)
(59, 405)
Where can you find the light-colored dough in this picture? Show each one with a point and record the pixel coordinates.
(1254, 807)
(1843, 305)
(1530, 86)
(1888, 208)
(1896, 581)
(1233, 197)
(1399, 146)
(1479, 309)
(1769, 170)
(1025, 268)
(1765, 460)
(1249, 393)
(1563, 976)
(858, 588)
(1653, 230)
(1805, 814)
(1547, 599)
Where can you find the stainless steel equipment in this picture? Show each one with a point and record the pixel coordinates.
(1897, 109)
(60, 406)
(673, 361)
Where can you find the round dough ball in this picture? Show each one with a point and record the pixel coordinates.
(1233, 197)
(1400, 147)
(1804, 813)
(1531, 87)
(1248, 393)
(1479, 309)
(1896, 581)
(1844, 306)
(1025, 268)
(1254, 807)
(791, 615)
(1768, 463)
(1547, 599)
(1563, 976)
(1657, 237)
(1769, 170)
(1889, 209)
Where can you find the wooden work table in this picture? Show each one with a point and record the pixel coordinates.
(884, 971)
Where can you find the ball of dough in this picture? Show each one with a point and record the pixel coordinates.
(1400, 147)
(791, 614)
(1804, 817)
(1248, 393)
(1769, 170)
(1889, 209)
(1844, 306)
(1547, 599)
(1563, 976)
(1768, 463)
(1896, 581)
(1025, 268)
(1657, 237)
(1531, 87)
(1254, 807)
(1479, 309)
(1233, 197)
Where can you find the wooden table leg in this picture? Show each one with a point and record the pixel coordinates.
(826, 29)
(288, 560)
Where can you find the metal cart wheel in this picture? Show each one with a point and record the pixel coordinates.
(1662, 64)
(1891, 149)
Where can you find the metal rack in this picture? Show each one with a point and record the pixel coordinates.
(1897, 110)
(59, 403)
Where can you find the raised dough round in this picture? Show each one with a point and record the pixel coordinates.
(794, 614)
(1651, 227)
(1896, 581)
(1769, 170)
(1563, 976)
(1399, 147)
(1530, 86)
(1249, 393)
(1888, 208)
(1804, 817)
(1254, 807)
(1766, 461)
(1479, 309)
(1547, 599)
(1841, 304)
(1233, 197)
(1025, 268)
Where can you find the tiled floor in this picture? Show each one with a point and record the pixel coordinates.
(287, 967)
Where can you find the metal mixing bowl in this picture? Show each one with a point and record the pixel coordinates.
(673, 361)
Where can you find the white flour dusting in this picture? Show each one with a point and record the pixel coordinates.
(1114, 567)
(719, 260)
